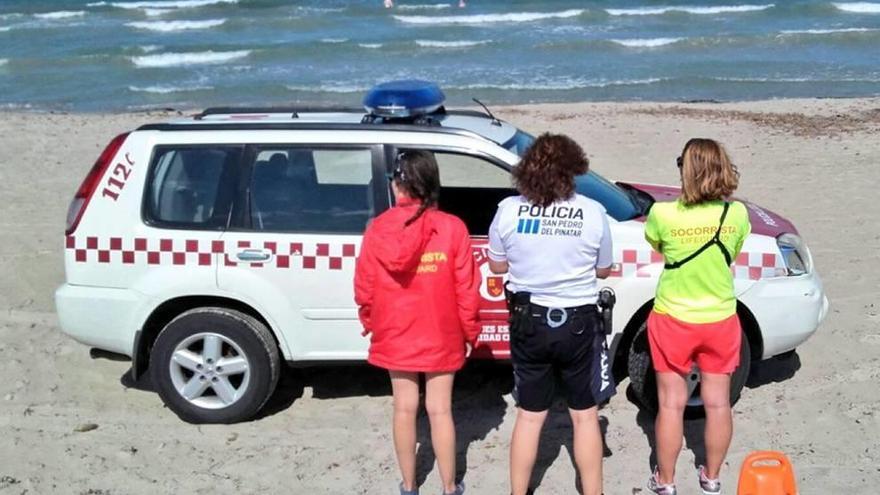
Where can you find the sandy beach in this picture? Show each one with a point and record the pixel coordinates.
(75, 424)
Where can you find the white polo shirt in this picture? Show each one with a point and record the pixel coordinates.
(552, 251)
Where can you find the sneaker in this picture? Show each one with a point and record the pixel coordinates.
(659, 488)
(403, 491)
(459, 490)
(710, 487)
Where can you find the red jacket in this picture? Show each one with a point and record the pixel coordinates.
(417, 288)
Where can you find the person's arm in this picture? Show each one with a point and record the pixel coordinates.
(745, 230)
(467, 286)
(364, 283)
(605, 256)
(652, 232)
(497, 255)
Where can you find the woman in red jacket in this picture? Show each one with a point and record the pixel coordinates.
(417, 287)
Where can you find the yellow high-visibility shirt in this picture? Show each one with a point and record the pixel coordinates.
(701, 290)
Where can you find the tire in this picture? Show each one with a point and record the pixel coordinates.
(643, 382)
(196, 346)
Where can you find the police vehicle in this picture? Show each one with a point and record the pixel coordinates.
(214, 248)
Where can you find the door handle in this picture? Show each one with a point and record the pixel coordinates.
(254, 255)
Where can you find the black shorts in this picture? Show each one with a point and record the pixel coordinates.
(574, 351)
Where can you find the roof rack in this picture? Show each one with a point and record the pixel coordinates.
(293, 111)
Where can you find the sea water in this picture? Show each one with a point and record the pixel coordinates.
(86, 55)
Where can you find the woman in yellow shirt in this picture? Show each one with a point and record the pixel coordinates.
(694, 319)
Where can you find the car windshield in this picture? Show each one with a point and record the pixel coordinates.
(619, 202)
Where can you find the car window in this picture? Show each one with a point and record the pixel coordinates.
(311, 190)
(471, 188)
(459, 170)
(191, 187)
(616, 201)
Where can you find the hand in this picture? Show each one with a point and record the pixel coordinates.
(366, 332)
(468, 349)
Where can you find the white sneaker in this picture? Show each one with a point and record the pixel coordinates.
(709, 486)
(659, 488)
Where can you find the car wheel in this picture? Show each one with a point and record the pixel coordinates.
(644, 384)
(215, 365)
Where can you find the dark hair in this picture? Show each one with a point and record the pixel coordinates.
(416, 173)
(547, 170)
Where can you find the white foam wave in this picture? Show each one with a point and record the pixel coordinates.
(828, 31)
(3, 61)
(371, 46)
(163, 90)
(96, 4)
(720, 9)
(450, 44)
(156, 12)
(10, 15)
(435, 6)
(149, 48)
(859, 7)
(170, 26)
(61, 14)
(329, 89)
(172, 4)
(3, 29)
(488, 18)
(561, 85)
(334, 40)
(795, 79)
(646, 42)
(191, 58)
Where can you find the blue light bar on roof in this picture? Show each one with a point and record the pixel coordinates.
(402, 99)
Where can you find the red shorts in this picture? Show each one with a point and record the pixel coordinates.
(676, 345)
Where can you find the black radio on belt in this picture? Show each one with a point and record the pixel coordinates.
(519, 305)
(607, 298)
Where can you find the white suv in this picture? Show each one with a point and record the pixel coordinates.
(212, 248)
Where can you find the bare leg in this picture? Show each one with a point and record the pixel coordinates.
(524, 448)
(405, 388)
(588, 448)
(715, 392)
(669, 426)
(438, 402)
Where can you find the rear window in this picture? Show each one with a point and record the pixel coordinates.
(191, 187)
(311, 190)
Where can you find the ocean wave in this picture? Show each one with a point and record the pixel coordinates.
(435, 6)
(61, 14)
(164, 90)
(170, 26)
(720, 9)
(3, 61)
(488, 18)
(334, 40)
(859, 7)
(828, 31)
(450, 44)
(560, 85)
(646, 42)
(371, 46)
(96, 4)
(149, 48)
(190, 58)
(329, 88)
(3, 29)
(795, 79)
(11, 15)
(156, 12)
(172, 4)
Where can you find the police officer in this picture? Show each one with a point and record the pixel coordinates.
(554, 244)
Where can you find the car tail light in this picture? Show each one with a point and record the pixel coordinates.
(90, 183)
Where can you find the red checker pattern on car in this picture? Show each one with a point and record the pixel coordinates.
(646, 263)
(305, 256)
(201, 252)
